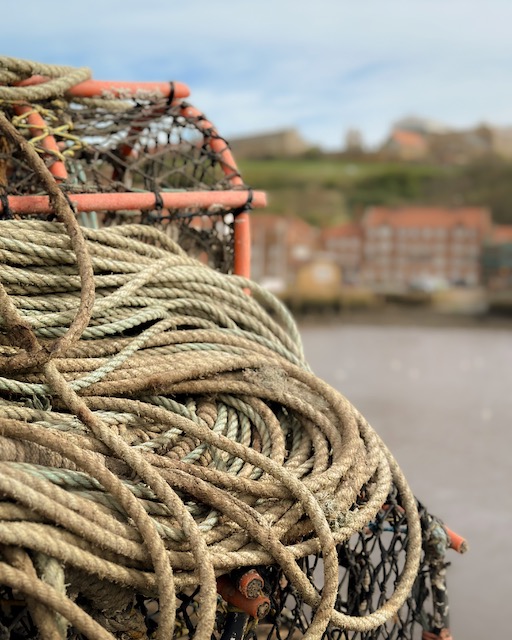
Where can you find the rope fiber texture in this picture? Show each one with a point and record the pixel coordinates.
(60, 79)
(182, 435)
(160, 427)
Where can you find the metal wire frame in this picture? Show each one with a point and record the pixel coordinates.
(233, 197)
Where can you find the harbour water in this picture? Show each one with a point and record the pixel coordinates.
(441, 398)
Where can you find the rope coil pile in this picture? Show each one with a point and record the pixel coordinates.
(160, 427)
(183, 434)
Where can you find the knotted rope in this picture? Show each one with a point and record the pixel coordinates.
(160, 427)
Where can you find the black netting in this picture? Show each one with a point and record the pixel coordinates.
(148, 146)
(370, 564)
(204, 234)
(145, 147)
(166, 148)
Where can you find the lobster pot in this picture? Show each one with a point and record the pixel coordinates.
(170, 466)
(133, 153)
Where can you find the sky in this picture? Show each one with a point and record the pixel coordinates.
(321, 66)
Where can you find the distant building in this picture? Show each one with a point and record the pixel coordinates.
(344, 244)
(405, 145)
(280, 246)
(408, 245)
(461, 147)
(354, 141)
(318, 279)
(414, 139)
(497, 259)
(285, 143)
(424, 126)
(501, 141)
(389, 250)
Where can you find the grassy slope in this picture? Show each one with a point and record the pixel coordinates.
(328, 190)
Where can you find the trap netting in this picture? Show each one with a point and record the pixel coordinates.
(126, 152)
(169, 465)
(370, 565)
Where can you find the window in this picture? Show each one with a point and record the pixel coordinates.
(473, 250)
(384, 231)
(301, 252)
(399, 275)
(369, 249)
(472, 278)
(369, 275)
(461, 232)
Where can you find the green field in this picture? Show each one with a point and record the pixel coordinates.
(325, 172)
(325, 190)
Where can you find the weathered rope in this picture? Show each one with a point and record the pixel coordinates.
(61, 78)
(184, 402)
(160, 427)
(58, 81)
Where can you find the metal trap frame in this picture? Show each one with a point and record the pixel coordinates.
(138, 152)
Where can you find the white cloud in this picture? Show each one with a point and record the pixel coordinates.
(323, 66)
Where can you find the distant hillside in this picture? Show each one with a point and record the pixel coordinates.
(327, 190)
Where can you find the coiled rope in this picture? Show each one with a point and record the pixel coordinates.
(160, 427)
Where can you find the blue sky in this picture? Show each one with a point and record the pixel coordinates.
(322, 66)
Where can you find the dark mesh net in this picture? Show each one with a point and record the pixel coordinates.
(132, 146)
(162, 147)
(370, 564)
(151, 146)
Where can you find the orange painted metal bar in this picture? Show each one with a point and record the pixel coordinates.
(28, 82)
(256, 607)
(37, 125)
(457, 542)
(444, 634)
(118, 88)
(217, 144)
(242, 230)
(25, 205)
(242, 244)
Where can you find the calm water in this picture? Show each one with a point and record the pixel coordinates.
(441, 398)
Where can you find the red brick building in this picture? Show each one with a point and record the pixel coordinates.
(497, 259)
(403, 246)
(344, 244)
(280, 246)
(390, 249)
(406, 145)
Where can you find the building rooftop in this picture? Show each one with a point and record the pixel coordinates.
(411, 216)
(346, 229)
(410, 139)
(501, 234)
